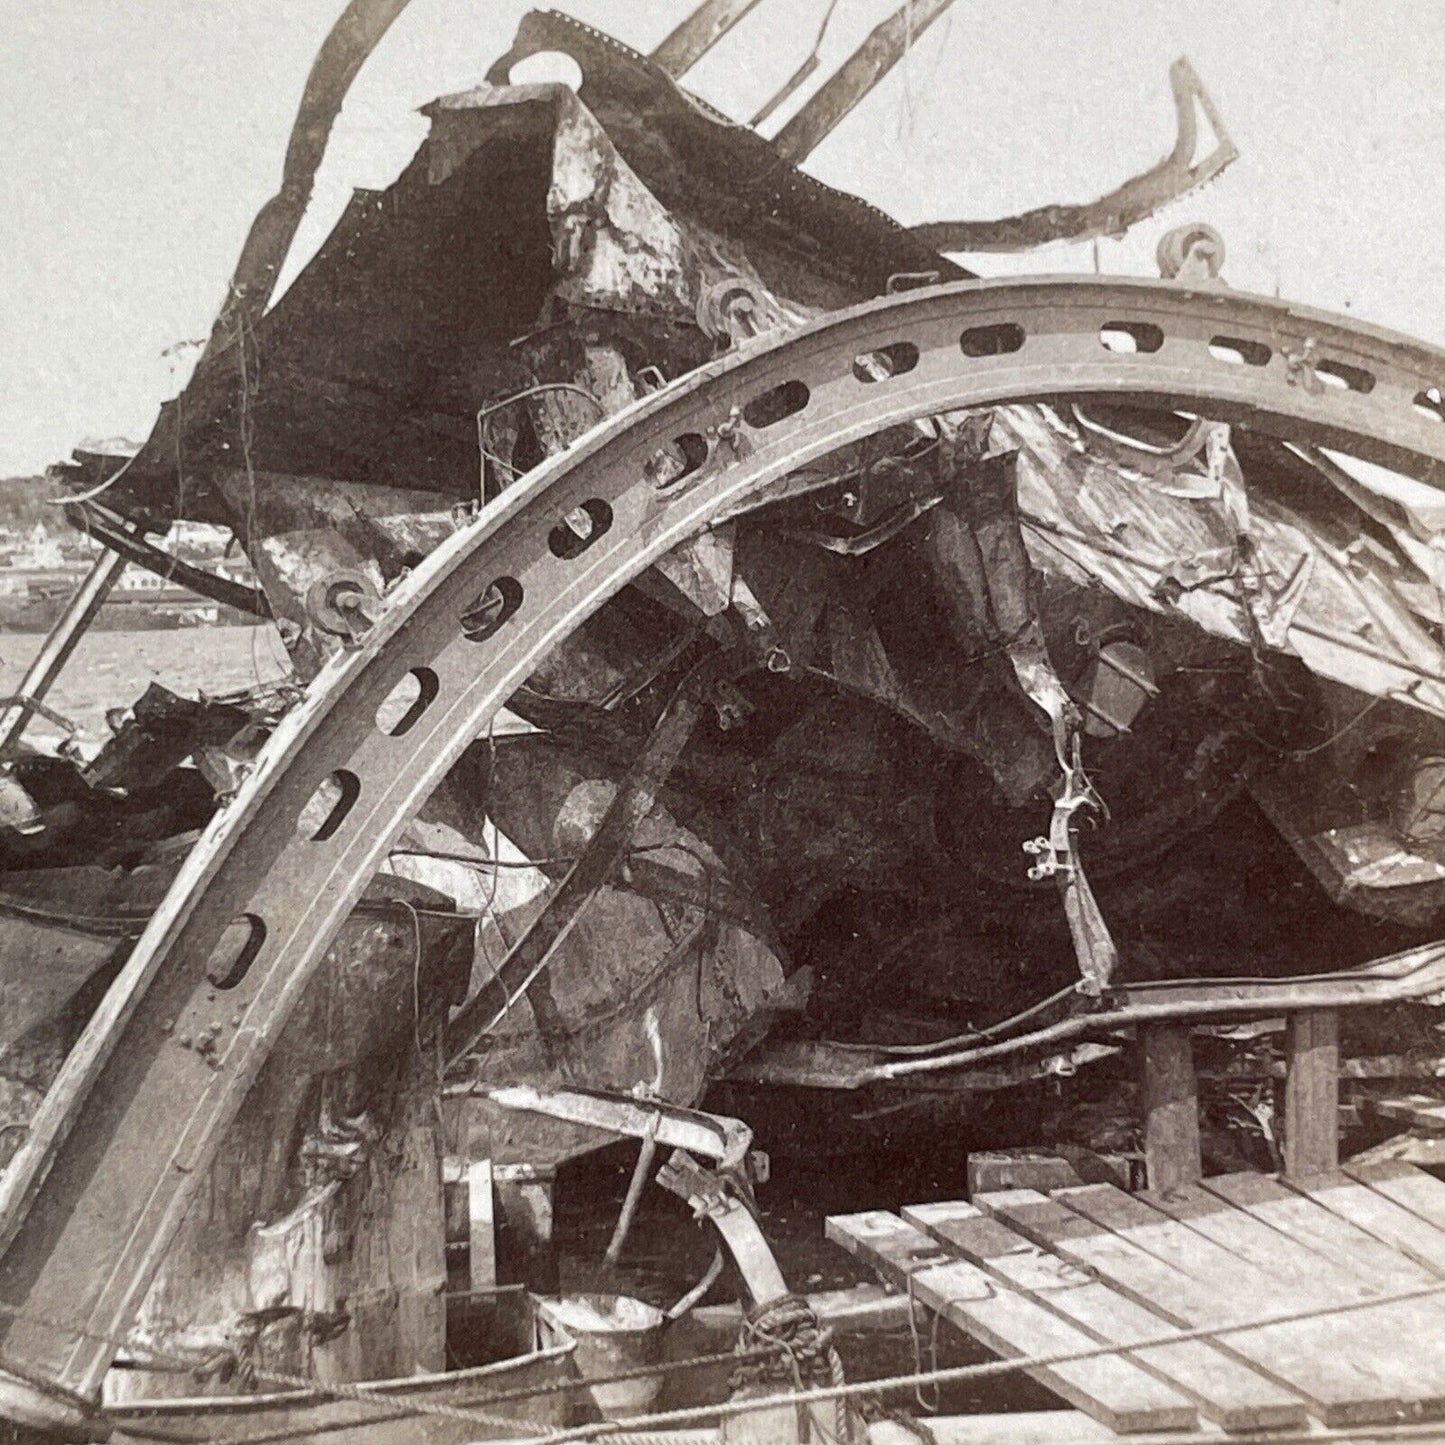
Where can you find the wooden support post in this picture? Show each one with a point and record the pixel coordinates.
(481, 1237)
(1170, 1097)
(525, 1251)
(1312, 1093)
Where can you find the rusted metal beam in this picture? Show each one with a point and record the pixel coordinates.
(715, 1136)
(856, 78)
(523, 973)
(89, 1203)
(65, 635)
(106, 527)
(696, 35)
(1111, 215)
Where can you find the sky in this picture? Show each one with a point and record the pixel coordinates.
(141, 139)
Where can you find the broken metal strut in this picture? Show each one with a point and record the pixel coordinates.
(90, 1203)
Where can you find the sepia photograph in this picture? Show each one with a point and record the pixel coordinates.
(722, 722)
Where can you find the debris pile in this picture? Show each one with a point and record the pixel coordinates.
(806, 799)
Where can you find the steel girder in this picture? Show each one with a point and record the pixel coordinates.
(89, 1205)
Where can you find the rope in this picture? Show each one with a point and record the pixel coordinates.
(956, 1374)
(778, 1321)
(222, 1361)
(801, 1350)
(215, 1362)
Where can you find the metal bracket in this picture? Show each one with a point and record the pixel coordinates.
(343, 605)
(716, 1136)
(89, 1203)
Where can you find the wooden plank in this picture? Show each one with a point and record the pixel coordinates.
(1345, 1244)
(1412, 1188)
(1398, 1340)
(1170, 1097)
(1131, 1218)
(1419, 1110)
(481, 1225)
(1137, 1274)
(1112, 1389)
(889, 1246)
(1391, 1223)
(1306, 1275)
(1414, 1146)
(1312, 1093)
(1317, 1358)
(1028, 1427)
(993, 1169)
(1380, 1219)
(1225, 1389)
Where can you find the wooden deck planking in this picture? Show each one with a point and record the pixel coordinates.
(1134, 1272)
(894, 1249)
(1407, 1186)
(1306, 1273)
(1225, 1389)
(1397, 1340)
(1321, 1359)
(1140, 1223)
(1111, 1389)
(1378, 1215)
(1093, 1265)
(1058, 1427)
(1343, 1243)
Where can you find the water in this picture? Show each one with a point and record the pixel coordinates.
(112, 669)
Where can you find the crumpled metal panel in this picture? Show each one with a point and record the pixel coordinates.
(1337, 609)
(615, 246)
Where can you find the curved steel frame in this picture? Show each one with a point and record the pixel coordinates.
(89, 1205)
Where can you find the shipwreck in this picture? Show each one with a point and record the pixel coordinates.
(732, 645)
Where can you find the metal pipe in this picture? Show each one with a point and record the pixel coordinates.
(69, 628)
(645, 1155)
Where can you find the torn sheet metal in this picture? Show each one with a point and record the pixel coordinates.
(615, 246)
(1337, 610)
(1171, 179)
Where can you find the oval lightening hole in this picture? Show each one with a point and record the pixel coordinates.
(1341, 374)
(407, 701)
(492, 609)
(326, 809)
(547, 67)
(1000, 340)
(1431, 403)
(785, 400)
(580, 528)
(669, 464)
(894, 360)
(1239, 352)
(1130, 338)
(235, 951)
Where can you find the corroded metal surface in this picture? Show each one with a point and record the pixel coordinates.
(94, 1197)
